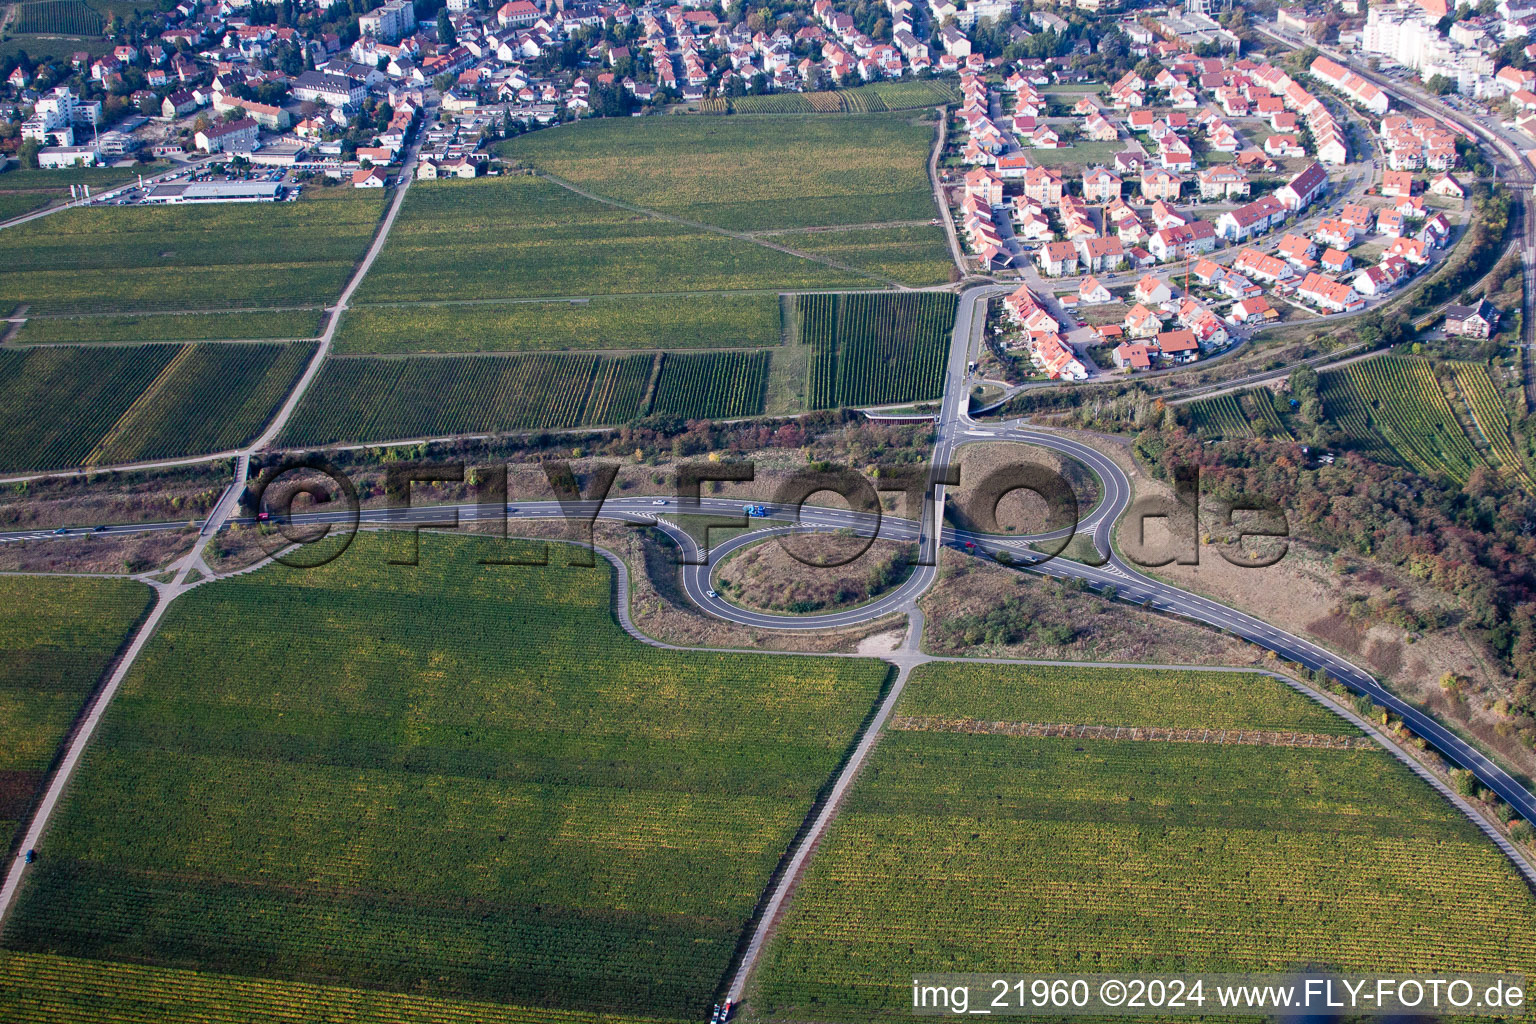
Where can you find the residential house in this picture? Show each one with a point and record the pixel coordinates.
(1182, 241)
(1222, 181)
(1298, 193)
(1043, 185)
(1251, 219)
(1446, 185)
(1093, 293)
(1335, 262)
(1298, 249)
(1334, 232)
(1142, 322)
(1358, 216)
(1133, 356)
(1160, 184)
(1178, 346)
(1165, 216)
(1100, 185)
(1396, 183)
(1479, 320)
(229, 137)
(1152, 292)
(1058, 259)
(1263, 266)
(1414, 250)
(1256, 310)
(1326, 293)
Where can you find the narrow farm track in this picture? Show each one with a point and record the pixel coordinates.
(956, 253)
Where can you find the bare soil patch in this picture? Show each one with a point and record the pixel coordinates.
(982, 610)
(105, 553)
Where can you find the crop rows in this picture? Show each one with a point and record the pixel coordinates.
(1220, 416)
(617, 389)
(1086, 695)
(56, 403)
(211, 398)
(57, 17)
(45, 989)
(520, 236)
(248, 325)
(380, 399)
(866, 99)
(1489, 413)
(915, 254)
(57, 636)
(1398, 401)
(1267, 406)
(717, 320)
(876, 349)
(171, 258)
(69, 406)
(741, 173)
(712, 385)
(1082, 855)
(467, 783)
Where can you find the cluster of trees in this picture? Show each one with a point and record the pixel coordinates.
(1475, 542)
(1027, 615)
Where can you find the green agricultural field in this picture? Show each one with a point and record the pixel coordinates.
(871, 349)
(19, 179)
(57, 636)
(57, 17)
(864, 99)
(976, 852)
(1394, 410)
(451, 781)
(1079, 154)
(1221, 416)
(46, 989)
(14, 204)
(749, 173)
(915, 255)
(358, 398)
(67, 406)
(1490, 416)
(709, 320)
(237, 255)
(521, 236)
(711, 385)
(61, 48)
(23, 191)
(209, 398)
(1161, 698)
(252, 325)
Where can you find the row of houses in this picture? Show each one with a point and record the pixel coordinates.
(1047, 348)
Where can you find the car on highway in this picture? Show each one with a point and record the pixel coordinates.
(659, 501)
(711, 593)
(61, 530)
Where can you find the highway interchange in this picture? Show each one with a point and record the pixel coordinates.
(954, 427)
